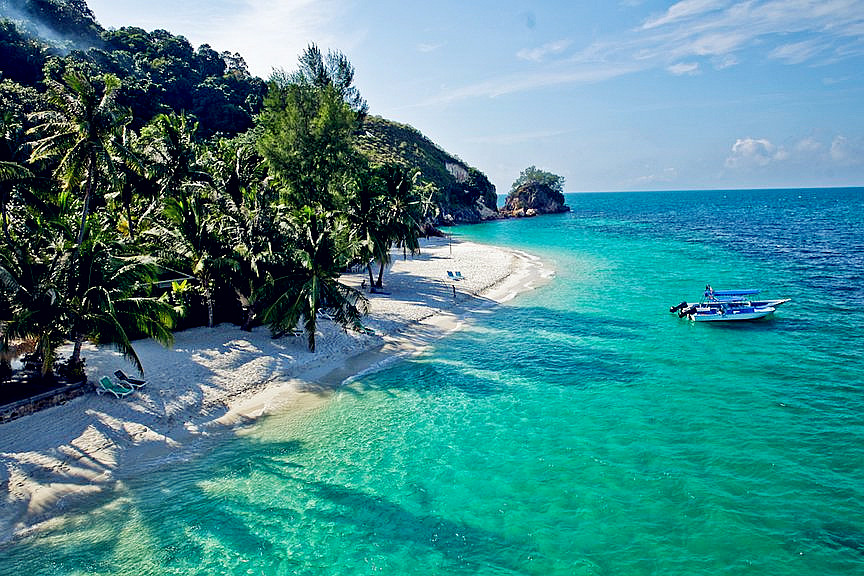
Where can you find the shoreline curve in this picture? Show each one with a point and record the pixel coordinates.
(218, 380)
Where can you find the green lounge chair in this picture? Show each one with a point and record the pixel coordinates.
(358, 327)
(115, 388)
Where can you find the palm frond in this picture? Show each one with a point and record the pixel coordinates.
(13, 171)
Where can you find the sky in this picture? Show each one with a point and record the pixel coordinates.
(612, 95)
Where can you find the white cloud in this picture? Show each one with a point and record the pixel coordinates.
(719, 44)
(689, 38)
(722, 30)
(727, 61)
(684, 10)
(748, 153)
(513, 84)
(539, 53)
(797, 52)
(426, 48)
(723, 33)
(684, 68)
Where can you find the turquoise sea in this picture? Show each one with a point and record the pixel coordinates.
(579, 429)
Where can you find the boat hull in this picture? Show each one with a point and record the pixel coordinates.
(718, 315)
(745, 304)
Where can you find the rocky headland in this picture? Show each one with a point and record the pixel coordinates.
(533, 199)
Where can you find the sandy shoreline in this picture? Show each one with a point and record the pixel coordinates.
(214, 380)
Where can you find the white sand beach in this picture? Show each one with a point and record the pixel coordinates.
(214, 381)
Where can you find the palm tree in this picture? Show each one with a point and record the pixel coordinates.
(55, 287)
(11, 173)
(250, 221)
(368, 236)
(312, 282)
(401, 213)
(37, 310)
(191, 236)
(32, 274)
(134, 180)
(82, 132)
(106, 301)
(169, 143)
(190, 232)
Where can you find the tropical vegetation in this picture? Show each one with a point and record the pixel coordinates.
(124, 219)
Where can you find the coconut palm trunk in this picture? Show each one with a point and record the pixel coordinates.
(208, 297)
(371, 278)
(380, 282)
(88, 194)
(78, 337)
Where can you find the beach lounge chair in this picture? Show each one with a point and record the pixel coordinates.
(459, 275)
(450, 275)
(118, 389)
(134, 382)
(294, 333)
(358, 327)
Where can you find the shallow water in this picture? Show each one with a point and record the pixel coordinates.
(581, 429)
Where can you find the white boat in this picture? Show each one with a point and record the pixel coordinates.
(728, 305)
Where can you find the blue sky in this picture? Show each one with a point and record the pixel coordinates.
(610, 94)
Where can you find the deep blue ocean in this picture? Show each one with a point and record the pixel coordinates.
(580, 429)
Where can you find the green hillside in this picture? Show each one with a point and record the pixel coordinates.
(458, 187)
(160, 72)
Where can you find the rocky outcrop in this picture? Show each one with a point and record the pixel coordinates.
(533, 199)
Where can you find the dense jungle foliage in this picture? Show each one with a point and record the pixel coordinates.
(147, 186)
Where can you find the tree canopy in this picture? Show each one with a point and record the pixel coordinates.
(533, 175)
(147, 185)
(117, 227)
(159, 72)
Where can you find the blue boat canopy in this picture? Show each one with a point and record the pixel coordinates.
(730, 293)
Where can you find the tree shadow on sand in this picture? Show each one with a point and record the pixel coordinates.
(119, 434)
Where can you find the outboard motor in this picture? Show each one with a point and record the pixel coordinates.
(686, 311)
(680, 306)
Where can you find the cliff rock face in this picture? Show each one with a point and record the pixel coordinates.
(462, 194)
(533, 199)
